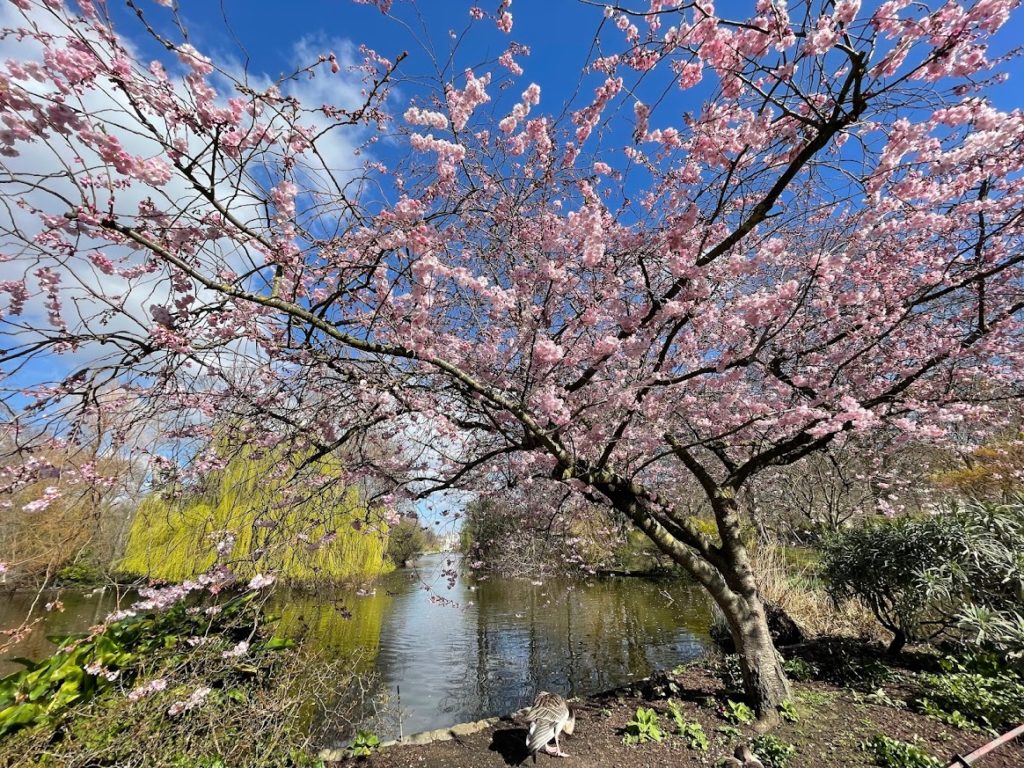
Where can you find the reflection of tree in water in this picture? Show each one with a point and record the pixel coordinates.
(575, 637)
(343, 631)
(339, 621)
(488, 655)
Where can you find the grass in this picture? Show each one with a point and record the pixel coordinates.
(794, 586)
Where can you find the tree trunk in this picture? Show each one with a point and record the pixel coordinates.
(899, 639)
(727, 575)
(763, 677)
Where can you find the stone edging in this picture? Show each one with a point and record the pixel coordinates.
(427, 737)
(465, 729)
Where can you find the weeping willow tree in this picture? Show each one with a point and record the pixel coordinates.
(251, 518)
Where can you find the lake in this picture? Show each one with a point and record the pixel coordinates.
(481, 647)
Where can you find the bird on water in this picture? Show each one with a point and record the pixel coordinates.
(549, 717)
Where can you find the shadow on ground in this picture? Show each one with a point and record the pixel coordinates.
(510, 743)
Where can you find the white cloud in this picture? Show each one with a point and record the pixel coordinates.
(95, 302)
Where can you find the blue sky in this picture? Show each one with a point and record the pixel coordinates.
(559, 33)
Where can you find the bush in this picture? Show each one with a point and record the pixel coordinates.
(924, 577)
(406, 541)
(80, 573)
(799, 669)
(848, 667)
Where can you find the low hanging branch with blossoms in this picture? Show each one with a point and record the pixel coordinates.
(624, 298)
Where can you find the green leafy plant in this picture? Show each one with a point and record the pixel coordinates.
(695, 737)
(364, 744)
(774, 752)
(737, 712)
(990, 701)
(955, 718)
(799, 669)
(893, 753)
(728, 731)
(643, 728)
(789, 712)
(693, 733)
(880, 698)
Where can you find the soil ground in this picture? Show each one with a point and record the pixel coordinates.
(833, 723)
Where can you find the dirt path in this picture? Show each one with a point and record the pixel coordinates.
(833, 724)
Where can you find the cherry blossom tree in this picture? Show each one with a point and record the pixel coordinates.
(613, 294)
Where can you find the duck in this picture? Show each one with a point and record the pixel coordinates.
(746, 758)
(549, 717)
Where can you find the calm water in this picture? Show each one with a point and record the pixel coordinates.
(474, 650)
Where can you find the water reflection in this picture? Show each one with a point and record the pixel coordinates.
(485, 648)
(508, 638)
(81, 610)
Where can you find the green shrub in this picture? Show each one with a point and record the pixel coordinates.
(882, 563)
(925, 577)
(851, 665)
(84, 667)
(407, 541)
(774, 752)
(893, 753)
(643, 727)
(80, 573)
(179, 688)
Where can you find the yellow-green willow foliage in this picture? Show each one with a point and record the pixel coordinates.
(305, 532)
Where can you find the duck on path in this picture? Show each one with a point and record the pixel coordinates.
(549, 717)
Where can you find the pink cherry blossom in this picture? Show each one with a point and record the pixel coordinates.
(619, 294)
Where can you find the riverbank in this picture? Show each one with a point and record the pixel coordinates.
(829, 726)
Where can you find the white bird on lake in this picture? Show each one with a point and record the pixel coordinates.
(549, 716)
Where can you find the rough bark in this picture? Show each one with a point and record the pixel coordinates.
(726, 574)
(763, 677)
